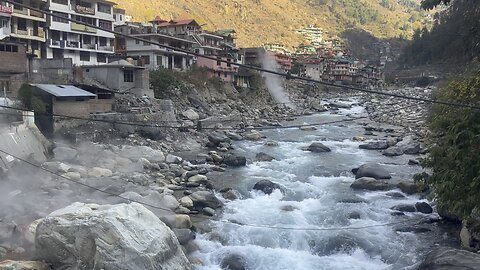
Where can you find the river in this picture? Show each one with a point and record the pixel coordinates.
(316, 195)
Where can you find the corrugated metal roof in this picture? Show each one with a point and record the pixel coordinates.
(63, 90)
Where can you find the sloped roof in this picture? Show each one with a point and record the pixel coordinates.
(178, 23)
(63, 90)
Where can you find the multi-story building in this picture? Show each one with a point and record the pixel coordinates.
(13, 69)
(5, 17)
(119, 16)
(85, 45)
(28, 26)
(155, 56)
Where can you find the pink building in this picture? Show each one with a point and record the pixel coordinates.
(225, 71)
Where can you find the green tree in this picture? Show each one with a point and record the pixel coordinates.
(431, 4)
(29, 100)
(454, 148)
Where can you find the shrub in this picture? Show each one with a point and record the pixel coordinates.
(29, 100)
(454, 146)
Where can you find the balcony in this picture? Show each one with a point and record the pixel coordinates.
(106, 48)
(72, 44)
(56, 42)
(5, 11)
(37, 14)
(89, 46)
(84, 10)
(82, 28)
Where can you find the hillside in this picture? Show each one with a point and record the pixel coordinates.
(262, 21)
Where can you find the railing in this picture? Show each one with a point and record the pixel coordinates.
(21, 32)
(106, 48)
(21, 11)
(72, 44)
(88, 46)
(41, 33)
(55, 42)
(82, 28)
(37, 14)
(4, 10)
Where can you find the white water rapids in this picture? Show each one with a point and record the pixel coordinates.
(316, 186)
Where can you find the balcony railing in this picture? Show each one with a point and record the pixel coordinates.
(89, 46)
(84, 10)
(106, 48)
(37, 14)
(72, 44)
(20, 11)
(6, 11)
(55, 42)
(82, 28)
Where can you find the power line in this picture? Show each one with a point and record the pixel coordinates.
(288, 76)
(202, 217)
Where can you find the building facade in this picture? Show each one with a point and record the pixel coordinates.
(13, 69)
(5, 20)
(83, 44)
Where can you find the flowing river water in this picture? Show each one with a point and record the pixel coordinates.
(316, 195)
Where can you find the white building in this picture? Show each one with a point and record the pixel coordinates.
(314, 69)
(119, 16)
(28, 26)
(5, 17)
(83, 44)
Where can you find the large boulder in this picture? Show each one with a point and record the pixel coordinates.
(124, 236)
(266, 186)
(235, 161)
(253, 135)
(318, 148)
(64, 153)
(217, 137)
(470, 234)
(339, 105)
(405, 208)
(233, 262)
(377, 145)
(393, 151)
(191, 114)
(372, 170)
(450, 259)
(203, 199)
(409, 188)
(367, 183)
(24, 265)
(407, 146)
(263, 157)
(423, 207)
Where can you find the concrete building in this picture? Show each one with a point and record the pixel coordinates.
(13, 68)
(314, 69)
(28, 26)
(154, 56)
(119, 16)
(119, 76)
(83, 44)
(5, 18)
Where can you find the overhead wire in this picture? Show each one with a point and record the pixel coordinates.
(204, 217)
(286, 75)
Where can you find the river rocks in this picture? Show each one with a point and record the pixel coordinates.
(449, 258)
(378, 145)
(134, 153)
(191, 115)
(266, 186)
(404, 208)
(339, 105)
(470, 234)
(288, 208)
(407, 146)
(308, 128)
(271, 143)
(24, 265)
(200, 179)
(230, 194)
(209, 211)
(186, 202)
(253, 135)
(318, 148)
(396, 195)
(423, 207)
(235, 161)
(233, 262)
(64, 153)
(414, 229)
(203, 199)
(409, 188)
(173, 159)
(263, 157)
(99, 172)
(234, 136)
(317, 106)
(393, 152)
(354, 215)
(368, 183)
(217, 137)
(184, 235)
(89, 236)
(371, 170)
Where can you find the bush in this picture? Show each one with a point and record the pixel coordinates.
(29, 100)
(162, 79)
(454, 147)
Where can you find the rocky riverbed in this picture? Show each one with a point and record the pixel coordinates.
(185, 180)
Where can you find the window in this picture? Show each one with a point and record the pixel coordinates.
(104, 8)
(228, 63)
(87, 20)
(128, 75)
(102, 58)
(84, 56)
(121, 17)
(226, 75)
(137, 41)
(61, 20)
(8, 48)
(219, 63)
(102, 41)
(146, 59)
(61, 2)
(105, 24)
(18, 7)
(22, 24)
(159, 60)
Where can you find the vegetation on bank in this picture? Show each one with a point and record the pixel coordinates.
(454, 147)
(454, 38)
(29, 100)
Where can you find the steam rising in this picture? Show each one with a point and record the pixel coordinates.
(275, 82)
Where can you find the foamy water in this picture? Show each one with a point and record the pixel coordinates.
(315, 187)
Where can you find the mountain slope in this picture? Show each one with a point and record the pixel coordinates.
(263, 21)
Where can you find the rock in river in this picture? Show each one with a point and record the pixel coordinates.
(203, 199)
(123, 236)
(263, 157)
(266, 186)
(378, 145)
(318, 148)
(217, 137)
(423, 207)
(371, 170)
(372, 184)
(449, 258)
(235, 161)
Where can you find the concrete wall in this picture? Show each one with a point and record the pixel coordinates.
(23, 141)
(13, 62)
(54, 71)
(72, 108)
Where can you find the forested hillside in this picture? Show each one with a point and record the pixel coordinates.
(262, 21)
